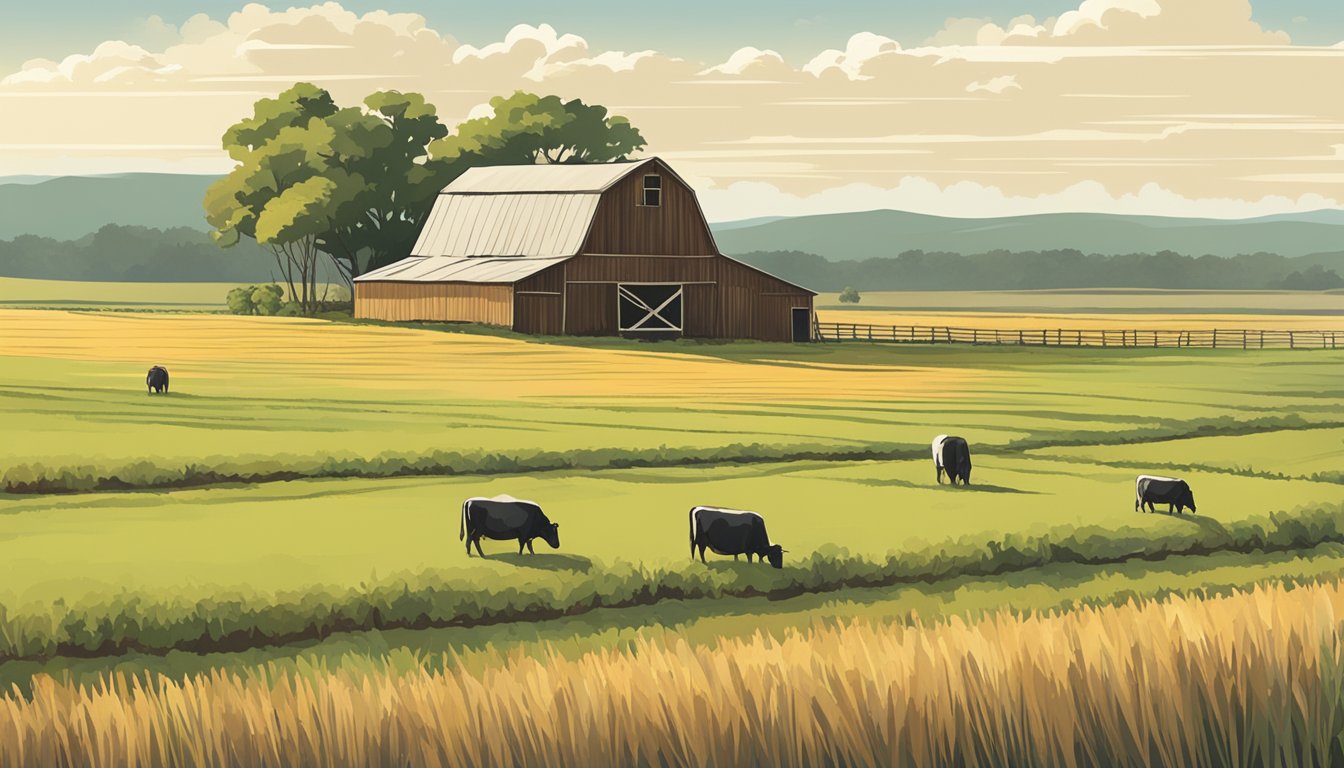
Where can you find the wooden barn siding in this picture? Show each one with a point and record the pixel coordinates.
(674, 228)
(539, 303)
(447, 302)
(723, 298)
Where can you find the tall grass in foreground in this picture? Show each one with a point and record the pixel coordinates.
(1254, 678)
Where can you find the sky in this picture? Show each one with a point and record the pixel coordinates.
(963, 107)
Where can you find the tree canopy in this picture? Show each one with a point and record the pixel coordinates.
(355, 184)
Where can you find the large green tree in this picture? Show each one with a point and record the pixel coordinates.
(356, 184)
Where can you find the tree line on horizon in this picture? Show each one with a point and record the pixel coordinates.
(319, 185)
(918, 270)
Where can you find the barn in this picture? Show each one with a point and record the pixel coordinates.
(611, 249)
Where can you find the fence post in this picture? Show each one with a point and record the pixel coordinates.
(1215, 338)
(1292, 344)
(1243, 339)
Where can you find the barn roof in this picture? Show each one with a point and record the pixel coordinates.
(432, 269)
(529, 225)
(592, 178)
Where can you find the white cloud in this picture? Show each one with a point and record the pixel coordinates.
(749, 61)
(861, 48)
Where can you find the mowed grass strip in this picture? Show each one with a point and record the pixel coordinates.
(1253, 678)
(225, 570)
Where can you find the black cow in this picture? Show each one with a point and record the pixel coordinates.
(953, 456)
(1174, 492)
(157, 379)
(505, 517)
(732, 532)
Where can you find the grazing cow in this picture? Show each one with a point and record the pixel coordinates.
(503, 518)
(732, 532)
(953, 456)
(157, 379)
(1174, 492)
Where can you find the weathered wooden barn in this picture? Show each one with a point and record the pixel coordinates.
(587, 250)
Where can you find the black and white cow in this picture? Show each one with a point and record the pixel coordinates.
(157, 379)
(732, 532)
(953, 456)
(503, 518)
(1174, 492)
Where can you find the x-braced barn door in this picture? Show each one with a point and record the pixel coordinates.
(649, 309)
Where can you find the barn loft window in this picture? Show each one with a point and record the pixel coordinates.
(649, 307)
(653, 191)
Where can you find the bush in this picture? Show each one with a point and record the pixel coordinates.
(850, 295)
(240, 300)
(265, 299)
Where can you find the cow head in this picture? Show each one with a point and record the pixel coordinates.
(1188, 500)
(775, 554)
(551, 535)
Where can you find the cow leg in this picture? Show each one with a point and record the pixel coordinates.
(521, 543)
(469, 538)
(939, 471)
(748, 557)
(478, 545)
(734, 557)
(702, 553)
(530, 551)
(1171, 508)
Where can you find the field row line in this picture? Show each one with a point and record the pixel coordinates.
(149, 474)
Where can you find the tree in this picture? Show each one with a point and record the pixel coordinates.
(283, 192)
(527, 128)
(349, 189)
(850, 295)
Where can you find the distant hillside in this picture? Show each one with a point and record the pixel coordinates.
(71, 207)
(876, 234)
(118, 253)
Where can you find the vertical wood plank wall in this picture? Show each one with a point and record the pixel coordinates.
(674, 228)
(723, 298)
(446, 302)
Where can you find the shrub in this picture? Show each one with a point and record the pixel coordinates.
(240, 300)
(850, 295)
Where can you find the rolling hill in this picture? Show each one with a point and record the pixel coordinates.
(874, 234)
(70, 207)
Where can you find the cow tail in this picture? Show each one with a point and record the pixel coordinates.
(462, 528)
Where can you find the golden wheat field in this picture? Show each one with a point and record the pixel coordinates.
(451, 365)
(1253, 678)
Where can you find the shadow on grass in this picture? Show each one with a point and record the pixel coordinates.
(545, 561)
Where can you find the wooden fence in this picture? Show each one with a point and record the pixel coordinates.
(1097, 337)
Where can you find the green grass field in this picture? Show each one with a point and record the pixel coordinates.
(325, 464)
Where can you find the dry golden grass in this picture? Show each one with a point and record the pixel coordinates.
(449, 365)
(1250, 679)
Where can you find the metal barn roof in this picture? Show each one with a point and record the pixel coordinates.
(435, 269)
(591, 178)
(507, 225)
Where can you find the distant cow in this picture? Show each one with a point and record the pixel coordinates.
(1174, 492)
(732, 532)
(953, 456)
(157, 379)
(503, 518)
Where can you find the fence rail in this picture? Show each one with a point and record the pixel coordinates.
(1237, 338)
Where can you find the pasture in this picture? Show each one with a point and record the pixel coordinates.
(1097, 309)
(295, 499)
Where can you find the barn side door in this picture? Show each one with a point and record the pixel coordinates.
(802, 324)
(647, 310)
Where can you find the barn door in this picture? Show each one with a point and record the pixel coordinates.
(649, 309)
(802, 323)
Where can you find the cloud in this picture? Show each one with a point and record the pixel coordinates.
(1126, 96)
(1156, 22)
(861, 48)
(996, 85)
